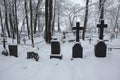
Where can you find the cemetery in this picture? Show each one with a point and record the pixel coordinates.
(52, 42)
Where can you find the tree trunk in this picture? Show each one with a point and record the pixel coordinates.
(101, 7)
(46, 20)
(31, 23)
(36, 16)
(26, 14)
(16, 21)
(58, 20)
(6, 18)
(1, 22)
(85, 20)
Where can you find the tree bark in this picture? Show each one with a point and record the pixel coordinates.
(36, 15)
(85, 20)
(1, 22)
(31, 23)
(26, 15)
(6, 18)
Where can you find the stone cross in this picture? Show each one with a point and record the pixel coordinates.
(77, 28)
(101, 27)
(4, 42)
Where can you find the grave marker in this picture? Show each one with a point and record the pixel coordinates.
(77, 51)
(77, 28)
(55, 50)
(101, 27)
(13, 50)
(4, 52)
(101, 48)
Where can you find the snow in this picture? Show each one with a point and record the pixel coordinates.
(87, 68)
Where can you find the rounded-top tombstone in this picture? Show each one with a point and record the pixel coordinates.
(77, 51)
(100, 49)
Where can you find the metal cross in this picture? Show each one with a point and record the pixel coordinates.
(77, 28)
(101, 27)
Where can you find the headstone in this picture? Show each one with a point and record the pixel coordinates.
(31, 55)
(100, 49)
(77, 51)
(55, 50)
(5, 52)
(13, 50)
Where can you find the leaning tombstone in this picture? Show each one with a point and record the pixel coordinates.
(55, 49)
(32, 55)
(13, 50)
(77, 51)
(101, 48)
(5, 52)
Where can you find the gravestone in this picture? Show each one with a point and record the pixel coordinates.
(4, 42)
(55, 50)
(13, 50)
(100, 48)
(31, 55)
(77, 50)
(4, 52)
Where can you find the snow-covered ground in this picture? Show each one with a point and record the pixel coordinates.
(87, 68)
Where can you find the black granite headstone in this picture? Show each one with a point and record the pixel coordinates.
(55, 50)
(77, 51)
(100, 49)
(31, 55)
(13, 50)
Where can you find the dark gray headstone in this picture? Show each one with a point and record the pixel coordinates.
(100, 49)
(55, 47)
(55, 50)
(13, 50)
(31, 55)
(77, 51)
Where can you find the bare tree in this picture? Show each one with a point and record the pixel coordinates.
(6, 18)
(26, 14)
(1, 21)
(31, 23)
(86, 19)
(48, 20)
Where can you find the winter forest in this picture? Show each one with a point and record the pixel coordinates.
(59, 39)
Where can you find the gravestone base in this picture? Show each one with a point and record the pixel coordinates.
(13, 50)
(56, 56)
(32, 55)
(5, 52)
(100, 49)
(77, 51)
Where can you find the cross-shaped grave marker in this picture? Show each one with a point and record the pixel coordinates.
(77, 28)
(4, 43)
(101, 27)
